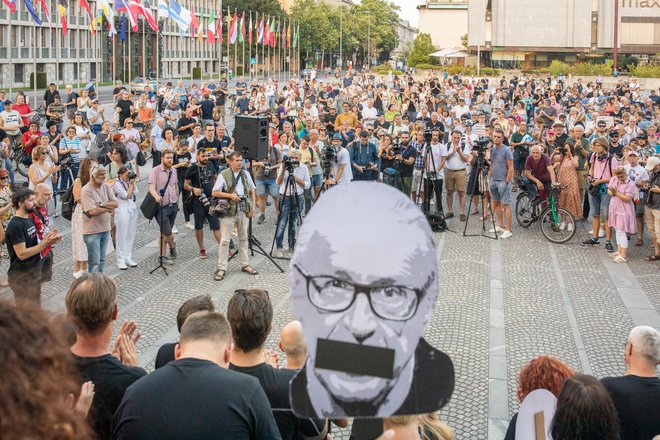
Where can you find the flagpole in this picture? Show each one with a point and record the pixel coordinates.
(130, 28)
(11, 70)
(279, 49)
(228, 33)
(270, 71)
(220, 47)
(158, 57)
(144, 48)
(34, 63)
(80, 46)
(250, 45)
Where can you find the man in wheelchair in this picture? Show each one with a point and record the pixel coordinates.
(539, 175)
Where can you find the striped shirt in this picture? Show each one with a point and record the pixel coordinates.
(71, 144)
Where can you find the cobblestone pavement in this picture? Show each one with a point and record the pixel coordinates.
(501, 303)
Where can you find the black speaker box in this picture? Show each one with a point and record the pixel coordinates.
(251, 136)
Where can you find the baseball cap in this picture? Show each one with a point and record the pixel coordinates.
(633, 153)
(651, 163)
(551, 132)
(8, 102)
(337, 136)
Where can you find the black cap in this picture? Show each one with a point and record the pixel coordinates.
(8, 102)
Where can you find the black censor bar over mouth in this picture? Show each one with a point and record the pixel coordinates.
(363, 360)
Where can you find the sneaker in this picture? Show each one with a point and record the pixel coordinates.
(189, 225)
(174, 230)
(261, 219)
(202, 254)
(601, 233)
(232, 245)
(569, 227)
(131, 263)
(121, 265)
(591, 242)
(499, 230)
(562, 226)
(278, 253)
(173, 253)
(506, 234)
(608, 246)
(168, 261)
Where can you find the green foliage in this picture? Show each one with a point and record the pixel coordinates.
(42, 82)
(579, 69)
(319, 25)
(427, 66)
(558, 67)
(649, 71)
(197, 73)
(472, 71)
(422, 47)
(371, 25)
(268, 7)
(489, 71)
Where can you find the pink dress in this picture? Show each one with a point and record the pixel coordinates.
(622, 214)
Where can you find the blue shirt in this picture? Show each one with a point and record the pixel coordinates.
(498, 162)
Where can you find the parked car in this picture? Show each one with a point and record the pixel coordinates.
(139, 83)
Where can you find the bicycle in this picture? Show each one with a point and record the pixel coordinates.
(557, 224)
(18, 156)
(39, 116)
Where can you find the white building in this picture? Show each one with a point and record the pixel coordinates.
(406, 36)
(445, 20)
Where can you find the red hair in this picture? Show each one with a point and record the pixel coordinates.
(543, 372)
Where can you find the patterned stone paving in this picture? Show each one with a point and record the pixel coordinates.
(562, 300)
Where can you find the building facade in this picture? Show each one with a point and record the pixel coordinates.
(406, 34)
(532, 33)
(81, 55)
(445, 20)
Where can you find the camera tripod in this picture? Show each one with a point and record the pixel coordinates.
(430, 173)
(290, 193)
(397, 168)
(254, 245)
(160, 232)
(481, 179)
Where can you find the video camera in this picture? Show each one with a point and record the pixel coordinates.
(480, 145)
(132, 175)
(428, 136)
(289, 164)
(396, 149)
(328, 155)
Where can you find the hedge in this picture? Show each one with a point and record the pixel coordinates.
(645, 71)
(580, 69)
(426, 66)
(472, 71)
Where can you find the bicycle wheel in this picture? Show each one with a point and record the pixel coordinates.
(524, 210)
(19, 166)
(558, 226)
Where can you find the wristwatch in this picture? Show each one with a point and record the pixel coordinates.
(100, 204)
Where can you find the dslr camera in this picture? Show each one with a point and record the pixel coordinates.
(428, 135)
(204, 200)
(132, 175)
(288, 164)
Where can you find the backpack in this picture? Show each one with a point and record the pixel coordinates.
(68, 203)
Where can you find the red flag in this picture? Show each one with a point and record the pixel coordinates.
(85, 6)
(243, 26)
(250, 29)
(194, 24)
(63, 4)
(218, 32)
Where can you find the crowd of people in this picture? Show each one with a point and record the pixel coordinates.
(424, 136)
(220, 381)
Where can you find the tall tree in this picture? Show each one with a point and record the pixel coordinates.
(319, 26)
(269, 7)
(422, 47)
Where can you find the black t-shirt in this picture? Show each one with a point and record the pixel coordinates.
(407, 153)
(111, 379)
(207, 109)
(430, 125)
(220, 97)
(637, 401)
(3, 135)
(125, 107)
(22, 230)
(195, 399)
(202, 177)
(181, 172)
(183, 121)
(211, 147)
(275, 383)
(165, 355)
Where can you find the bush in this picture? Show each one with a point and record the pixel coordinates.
(397, 72)
(42, 83)
(197, 73)
(489, 71)
(558, 67)
(427, 66)
(650, 71)
(580, 69)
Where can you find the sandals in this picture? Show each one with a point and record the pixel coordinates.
(619, 259)
(219, 275)
(652, 257)
(250, 270)
(639, 242)
(613, 255)
(449, 215)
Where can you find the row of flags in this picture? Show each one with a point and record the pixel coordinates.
(269, 31)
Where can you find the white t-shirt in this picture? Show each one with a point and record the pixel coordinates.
(369, 114)
(637, 174)
(455, 162)
(11, 117)
(301, 172)
(438, 151)
(221, 184)
(343, 158)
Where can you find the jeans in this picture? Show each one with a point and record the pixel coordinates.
(289, 213)
(308, 200)
(96, 244)
(533, 190)
(9, 169)
(65, 177)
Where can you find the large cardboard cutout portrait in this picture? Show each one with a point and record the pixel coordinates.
(363, 281)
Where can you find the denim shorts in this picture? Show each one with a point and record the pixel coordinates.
(518, 162)
(598, 204)
(268, 186)
(317, 180)
(500, 191)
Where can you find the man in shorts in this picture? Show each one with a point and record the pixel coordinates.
(164, 188)
(501, 174)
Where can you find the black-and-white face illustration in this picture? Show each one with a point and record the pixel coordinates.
(363, 282)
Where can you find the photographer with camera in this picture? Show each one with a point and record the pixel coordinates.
(292, 202)
(434, 171)
(364, 158)
(126, 216)
(652, 205)
(458, 156)
(405, 158)
(200, 178)
(337, 161)
(235, 184)
(264, 176)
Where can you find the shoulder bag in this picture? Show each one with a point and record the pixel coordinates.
(220, 206)
(149, 207)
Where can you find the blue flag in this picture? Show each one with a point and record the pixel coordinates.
(33, 13)
(122, 34)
